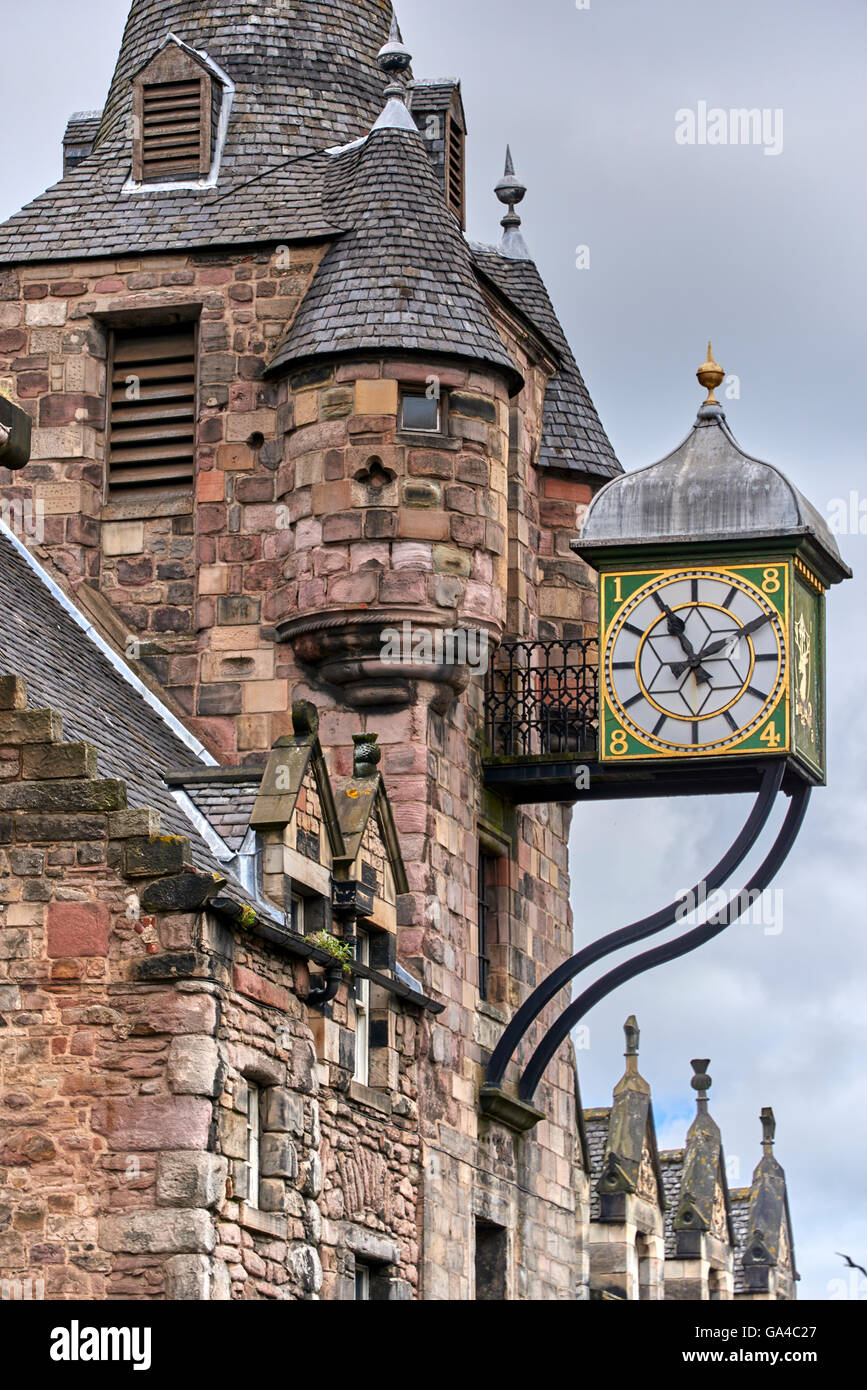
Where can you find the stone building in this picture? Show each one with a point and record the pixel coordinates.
(302, 456)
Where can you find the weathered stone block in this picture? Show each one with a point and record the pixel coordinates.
(150, 1123)
(194, 1067)
(122, 538)
(376, 397)
(188, 1279)
(158, 1232)
(30, 726)
(163, 854)
(283, 1112)
(63, 796)
(56, 761)
(263, 991)
(233, 1134)
(277, 1157)
(13, 693)
(77, 930)
(191, 1179)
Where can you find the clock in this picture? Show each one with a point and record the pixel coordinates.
(696, 661)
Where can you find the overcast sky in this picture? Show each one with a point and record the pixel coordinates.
(764, 253)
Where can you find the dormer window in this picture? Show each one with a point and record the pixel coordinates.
(174, 98)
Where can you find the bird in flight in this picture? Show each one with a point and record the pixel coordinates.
(852, 1264)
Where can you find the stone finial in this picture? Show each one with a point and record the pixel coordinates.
(395, 60)
(394, 56)
(510, 192)
(305, 719)
(368, 755)
(769, 1130)
(701, 1082)
(633, 1040)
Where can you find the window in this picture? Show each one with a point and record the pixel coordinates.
(152, 412)
(362, 1013)
(297, 908)
(362, 1282)
(253, 1134)
(487, 880)
(492, 1248)
(420, 414)
(455, 165)
(173, 118)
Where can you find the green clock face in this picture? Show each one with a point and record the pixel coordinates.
(695, 662)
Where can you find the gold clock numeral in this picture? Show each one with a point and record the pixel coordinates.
(619, 745)
(771, 583)
(770, 738)
(618, 589)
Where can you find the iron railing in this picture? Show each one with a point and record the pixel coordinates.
(543, 698)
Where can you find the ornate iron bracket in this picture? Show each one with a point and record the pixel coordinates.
(492, 1092)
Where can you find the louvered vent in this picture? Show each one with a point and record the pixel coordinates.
(455, 170)
(172, 130)
(153, 408)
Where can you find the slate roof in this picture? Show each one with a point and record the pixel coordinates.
(671, 1164)
(573, 436)
(227, 806)
(402, 278)
(65, 669)
(305, 78)
(596, 1126)
(740, 1204)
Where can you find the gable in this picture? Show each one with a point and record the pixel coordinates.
(373, 870)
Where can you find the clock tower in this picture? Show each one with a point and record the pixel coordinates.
(713, 570)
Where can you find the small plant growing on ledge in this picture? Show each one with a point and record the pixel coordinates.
(340, 950)
(247, 919)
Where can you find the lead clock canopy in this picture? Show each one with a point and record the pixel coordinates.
(709, 494)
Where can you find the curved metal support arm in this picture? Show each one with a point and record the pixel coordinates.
(526, 1016)
(673, 950)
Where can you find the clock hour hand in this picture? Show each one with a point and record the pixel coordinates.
(746, 631)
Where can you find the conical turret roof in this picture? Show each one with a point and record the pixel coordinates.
(402, 278)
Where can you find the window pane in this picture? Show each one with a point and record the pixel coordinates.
(362, 1013)
(253, 1144)
(420, 413)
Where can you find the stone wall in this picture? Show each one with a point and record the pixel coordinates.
(316, 521)
(128, 1036)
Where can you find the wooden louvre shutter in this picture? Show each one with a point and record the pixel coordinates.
(172, 130)
(455, 154)
(152, 431)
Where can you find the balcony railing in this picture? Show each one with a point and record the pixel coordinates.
(542, 699)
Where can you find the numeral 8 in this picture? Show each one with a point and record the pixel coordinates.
(772, 583)
(619, 744)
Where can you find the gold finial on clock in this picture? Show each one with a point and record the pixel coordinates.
(711, 375)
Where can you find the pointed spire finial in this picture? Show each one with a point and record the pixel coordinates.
(711, 375)
(511, 192)
(701, 1082)
(769, 1130)
(395, 60)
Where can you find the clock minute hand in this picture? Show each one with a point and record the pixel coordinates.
(746, 631)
